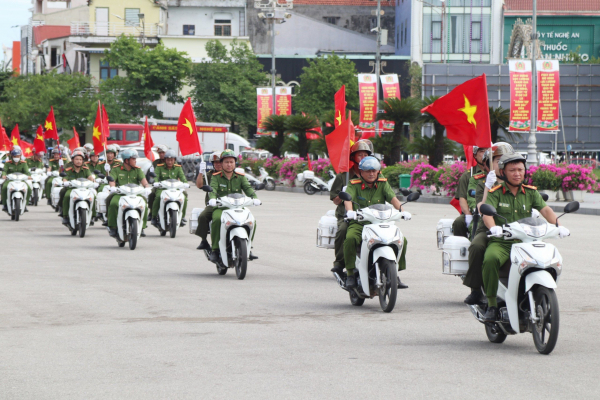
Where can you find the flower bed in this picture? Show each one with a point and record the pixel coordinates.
(423, 177)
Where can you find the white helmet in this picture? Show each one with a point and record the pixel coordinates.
(162, 147)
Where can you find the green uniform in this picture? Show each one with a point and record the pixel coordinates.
(92, 167)
(221, 187)
(101, 165)
(10, 167)
(65, 193)
(163, 173)
(123, 177)
(366, 196)
(459, 227)
(206, 215)
(513, 208)
(156, 163)
(31, 163)
(53, 165)
(337, 186)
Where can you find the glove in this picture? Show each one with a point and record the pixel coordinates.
(48, 173)
(563, 232)
(535, 213)
(406, 215)
(344, 188)
(151, 169)
(60, 162)
(107, 167)
(202, 167)
(468, 219)
(96, 184)
(212, 202)
(490, 180)
(351, 214)
(148, 191)
(66, 184)
(156, 184)
(496, 231)
(112, 189)
(257, 202)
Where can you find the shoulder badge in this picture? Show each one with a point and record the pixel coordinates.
(355, 181)
(177, 165)
(479, 176)
(240, 173)
(530, 187)
(85, 167)
(217, 173)
(160, 165)
(23, 161)
(492, 190)
(382, 180)
(68, 169)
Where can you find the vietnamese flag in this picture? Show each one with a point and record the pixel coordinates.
(187, 134)
(50, 126)
(15, 136)
(38, 142)
(27, 148)
(74, 141)
(464, 112)
(456, 204)
(105, 127)
(340, 106)
(338, 146)
(148, 142)
(471, 161)
(98, 139)
(5, 143)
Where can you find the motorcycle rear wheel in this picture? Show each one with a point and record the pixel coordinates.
(82, 222)
(17, 210)
(270, 184)
(309, 189)
(173, 223)
(355, 300)
(133, 233)
(389, 277)
(545, 331)
(241, 258)
(498, 337)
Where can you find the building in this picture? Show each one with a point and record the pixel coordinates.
(563, 26)
(451, 31)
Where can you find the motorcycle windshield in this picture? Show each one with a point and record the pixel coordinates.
(381, 211)
(237, 199)
(130, 188)
(535, 227)
(170, 183)
(17, 176)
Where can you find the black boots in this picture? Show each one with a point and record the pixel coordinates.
(112, 232)
(401, 285)
(203, 245)
(491, 315)
(214, 256)
(350, 282)
(476, 297)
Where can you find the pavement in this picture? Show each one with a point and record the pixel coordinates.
(84, 319)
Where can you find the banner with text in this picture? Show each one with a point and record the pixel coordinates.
(548, 88)
(264, 106)
(390, 86)
(283, 101)
(520, 95)
(367, 92)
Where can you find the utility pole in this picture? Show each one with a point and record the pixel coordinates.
(377, 65)
(532, 147)
(273, 70)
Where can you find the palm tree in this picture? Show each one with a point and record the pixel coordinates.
(301, 125)
(399, 112)
(275, 123)
(500, 119)
(428, 146)
(437, 156)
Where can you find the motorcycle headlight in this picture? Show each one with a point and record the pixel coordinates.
(76, 198)
(373, 238)
(527, 261)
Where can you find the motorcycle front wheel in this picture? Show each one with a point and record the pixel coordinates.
(241, 253)
(17, 210)
(389, 290)
(270, 184)
(173, 223)
(82, 221)
(35, 197)
(309, 189)
(133, 233)
(545, 331)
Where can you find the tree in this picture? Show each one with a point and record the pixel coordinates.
(300, 125)
(319, 82)
(27, 100)
(500, 119)
(399, 112)
(224, 86)
(437, 157)
(151, 73)
(275, 123)
(428, 146)
(112, 93)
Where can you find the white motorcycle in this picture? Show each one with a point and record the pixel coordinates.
(17, 193)
(378, 255)
(237, 227)
(57, 185)
(171, 200)
(526, 298)
(314, 184)
(101, 206)
(130, 216)
(264, 177)
(80, 206)
(38, 179)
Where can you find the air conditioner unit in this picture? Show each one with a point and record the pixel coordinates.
(270, 15)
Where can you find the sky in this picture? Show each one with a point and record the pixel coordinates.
(14, 12)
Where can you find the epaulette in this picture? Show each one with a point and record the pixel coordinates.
(177, 165)
(84, 167)
(382, 180)
(492, 190)
(23, 161)
(240, 173)
(217, 173)
(101, 162)
(160, 165)
(68, 169)
(479, 176)
(355, 181)
(530, 187)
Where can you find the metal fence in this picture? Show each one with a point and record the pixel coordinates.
(579, 93)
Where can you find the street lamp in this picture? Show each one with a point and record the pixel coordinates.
(141, 17)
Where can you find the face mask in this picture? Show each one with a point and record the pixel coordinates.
(16, 159)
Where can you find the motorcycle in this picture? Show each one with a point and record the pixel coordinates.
(527, 301)
(264, 178)
(81, 203)
(17, 193)
(171, 205)
(38, 179)
(314, 184)
(378, 255)
(57, 185)
(237, 226)
(101, 206)
(130, 215)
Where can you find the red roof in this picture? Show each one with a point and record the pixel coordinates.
(557, 6)
(43, 32)
(368, 3)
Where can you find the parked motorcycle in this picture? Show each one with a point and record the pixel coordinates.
(171, 200)
(17, 193)
(378, 255)
(314, 184)
(527, 301)
(130, 216)
(38, 179)
(81, 201)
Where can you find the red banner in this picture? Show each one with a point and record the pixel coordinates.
(367, 93)
(264, 106)
(198, 128)
(520, 94)
(283, 101)
(390, 86)
(548, 94)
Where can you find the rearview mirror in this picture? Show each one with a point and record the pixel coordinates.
(96, 172)
(488, 210)
(413, 197)
(405, 192)
(544, 196)
(151, 174)
(101, 176)
(260, 186)
(344, 196)
(207, 188)
(62, 174)
(572, 207)
(110, 179)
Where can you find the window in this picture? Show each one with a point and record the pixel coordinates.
(115, 134)
(222, 27)
(476, 30)
(132, 136)
(230, 146)
(373, 23)
(131, 16)
(106, 72)
(402, 33)
(189, 30)
(436, 30)
(331, 20)
(54, 57)
(405, 31)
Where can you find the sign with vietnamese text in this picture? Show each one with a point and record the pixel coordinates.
(548, 89)
(367, 93)
(520, 94)
(264, 106)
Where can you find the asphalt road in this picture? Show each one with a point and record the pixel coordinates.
(84, 319)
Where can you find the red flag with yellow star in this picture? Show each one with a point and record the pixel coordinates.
(187, 134)
(98, 138)
(27, 149)
(148, 142)
(50, 126)
(338, 146)
(105, 128)
(464, 112)
(38, 142)
(15, 137)
(5, 143)
(340, 106)
(74, 141)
